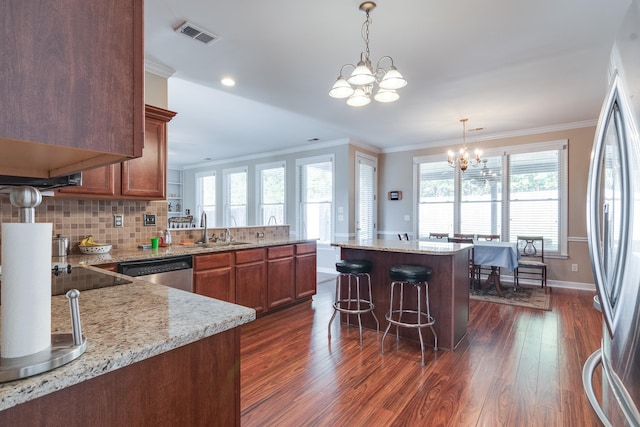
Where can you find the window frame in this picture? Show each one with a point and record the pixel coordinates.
(211, 219)
(505, 152)
(301, 232)
(226, 197)
(259, 186)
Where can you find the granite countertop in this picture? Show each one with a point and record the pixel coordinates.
(125, 324)
(405, 246)
(173, 250)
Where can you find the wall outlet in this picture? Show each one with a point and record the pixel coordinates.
(118, 220)
(260, 234)
(149, 220)
(574, 267)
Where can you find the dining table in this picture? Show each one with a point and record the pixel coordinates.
(497, 255)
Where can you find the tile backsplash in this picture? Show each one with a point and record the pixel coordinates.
(79, 218)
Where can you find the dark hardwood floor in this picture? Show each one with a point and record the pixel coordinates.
(516, 367)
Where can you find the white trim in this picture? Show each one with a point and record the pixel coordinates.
(158, 68)
(226, 217)
(491, 137)
(371, 161)
(258, 188)
(308, 161)
(577, 239)
(344, 141)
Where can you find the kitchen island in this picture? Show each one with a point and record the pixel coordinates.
(155, 356)
(448, 287)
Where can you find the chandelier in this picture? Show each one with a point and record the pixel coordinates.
(359, 86)
(461, 158)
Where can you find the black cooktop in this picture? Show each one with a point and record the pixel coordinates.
(82, 279)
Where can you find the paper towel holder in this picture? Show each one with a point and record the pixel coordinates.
(64, 347)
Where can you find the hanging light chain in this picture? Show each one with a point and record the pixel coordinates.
(366, 35)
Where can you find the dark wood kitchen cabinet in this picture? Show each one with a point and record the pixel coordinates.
(214, 276)
(280, 276)
(305, 270)
(197, 384)
(251, 275)
(72, 85)
(142, 178)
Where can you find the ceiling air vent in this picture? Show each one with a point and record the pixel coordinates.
(196, 33)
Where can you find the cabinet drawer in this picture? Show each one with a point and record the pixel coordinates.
(305, 248)
(250, 255)
(206, 262)
(280, 251)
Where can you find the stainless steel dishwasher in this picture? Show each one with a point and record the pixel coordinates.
(175, 272)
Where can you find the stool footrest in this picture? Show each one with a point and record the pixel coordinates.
(368, 306)
(430, 320)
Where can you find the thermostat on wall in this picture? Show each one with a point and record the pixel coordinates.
(395, 195)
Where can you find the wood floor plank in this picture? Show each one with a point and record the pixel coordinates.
(516, 366)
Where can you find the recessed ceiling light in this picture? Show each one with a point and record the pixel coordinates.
(228, 81)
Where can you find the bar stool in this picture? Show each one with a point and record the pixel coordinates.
(418, 276)
(353, 268)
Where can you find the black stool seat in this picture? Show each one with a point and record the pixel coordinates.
(410, 273)
(354, 266)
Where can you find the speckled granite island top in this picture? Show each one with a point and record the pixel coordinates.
(404, 246)
(125, 324)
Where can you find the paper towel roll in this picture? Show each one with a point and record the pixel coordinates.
(26, 289)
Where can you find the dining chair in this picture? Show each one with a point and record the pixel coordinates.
(531, 264)
(464, 236)
(472, 264)
(438, 235)
(486, 269)
(488, 237)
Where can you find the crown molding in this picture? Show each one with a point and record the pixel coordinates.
(158, 68)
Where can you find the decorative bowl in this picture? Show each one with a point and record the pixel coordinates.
(100, 249)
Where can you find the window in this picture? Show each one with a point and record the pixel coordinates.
(315, 198)
(366, 189)
(206, 197)
(518, 190)
(235, 197)
(271, 193)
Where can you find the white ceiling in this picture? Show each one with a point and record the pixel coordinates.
(508, 65)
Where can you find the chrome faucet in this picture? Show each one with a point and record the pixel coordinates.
(203, 223)
(272, 217)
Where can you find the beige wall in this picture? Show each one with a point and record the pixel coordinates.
(396, 173)
(155, 90)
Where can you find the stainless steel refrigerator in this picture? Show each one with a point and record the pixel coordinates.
(613, 230)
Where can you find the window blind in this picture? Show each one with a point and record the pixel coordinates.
(316, 200)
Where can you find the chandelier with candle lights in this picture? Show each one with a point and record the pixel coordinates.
(461, 159)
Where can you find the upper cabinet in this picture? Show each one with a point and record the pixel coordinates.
(143, 178)
(72, 85)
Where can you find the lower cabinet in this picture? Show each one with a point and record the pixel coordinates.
(280, 276)
(197, 384)
(214, 276)
(305, 270)
(260, 278)
(251, 275)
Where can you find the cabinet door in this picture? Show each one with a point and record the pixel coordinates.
(280, 276)
(146, 175)
(305, 275)
(251, 289)
(74, 79)
(100, 181)
(216, 283)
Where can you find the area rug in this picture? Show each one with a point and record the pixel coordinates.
(525, 296)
